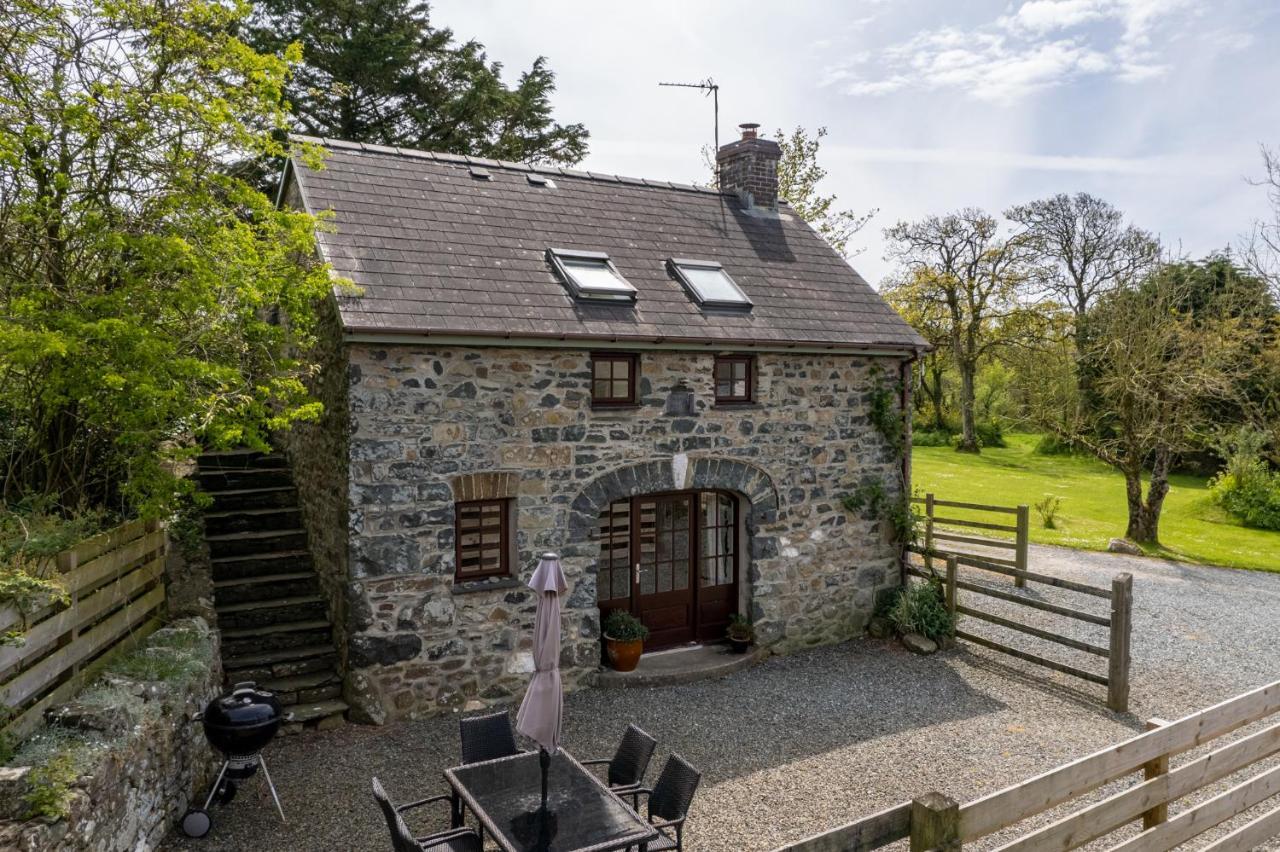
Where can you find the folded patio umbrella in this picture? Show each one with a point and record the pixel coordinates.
(543, 705)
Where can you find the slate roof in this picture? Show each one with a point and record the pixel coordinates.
(438, 251)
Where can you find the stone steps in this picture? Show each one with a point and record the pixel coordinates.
(271, 611)
(268, 519)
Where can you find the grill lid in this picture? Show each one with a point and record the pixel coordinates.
(245, 707)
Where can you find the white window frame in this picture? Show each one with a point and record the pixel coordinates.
(625, 292)
(677, 265)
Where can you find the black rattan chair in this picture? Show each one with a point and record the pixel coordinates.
(487, 737)
(402, 840)
(629, 762)
(669, 802)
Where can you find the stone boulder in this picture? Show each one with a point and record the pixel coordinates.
(1123, 545)
(917, 644)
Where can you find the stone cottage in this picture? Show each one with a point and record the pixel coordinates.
(669, 385)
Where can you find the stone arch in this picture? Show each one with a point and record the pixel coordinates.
(674, 474)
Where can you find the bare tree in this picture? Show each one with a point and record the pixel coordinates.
(1083, 248)
(1262, 248)
(960, 264)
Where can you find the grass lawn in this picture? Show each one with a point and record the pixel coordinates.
(1192, 527)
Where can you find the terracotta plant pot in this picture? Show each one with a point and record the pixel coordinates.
(624, 656)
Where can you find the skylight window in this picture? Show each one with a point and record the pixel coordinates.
(710, 285)
(591, 275)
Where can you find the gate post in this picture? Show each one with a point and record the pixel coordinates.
(1154, 769)
(952, 566)
(935, 823)
(928, 531)
(1118, 657)
(1024, 539)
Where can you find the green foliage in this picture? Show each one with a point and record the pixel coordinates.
(8, 747)
(798, 177)
(1247, 487)
(871, 500)
(379, 71)
(1047, 508)
(886, 600)
(740, 628)
(624, 627)
(49, 793)
(885, 410)
(30, 536)
(931, 438)
(186, 526)
(141, 284)
(1053, 445)
(922, 608)
(989, 432)
(173, 655)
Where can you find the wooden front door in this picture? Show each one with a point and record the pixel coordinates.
(672, 561)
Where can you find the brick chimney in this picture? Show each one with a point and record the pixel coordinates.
(749, 167)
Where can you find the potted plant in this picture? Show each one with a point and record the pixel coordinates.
(624, 637)
(740, 633)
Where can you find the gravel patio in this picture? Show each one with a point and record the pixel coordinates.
(807, 742)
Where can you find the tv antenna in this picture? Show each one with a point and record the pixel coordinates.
(708, 87)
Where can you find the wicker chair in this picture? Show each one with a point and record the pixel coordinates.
(629, 762)
(402, 840)
(669, 802)
(487, 737)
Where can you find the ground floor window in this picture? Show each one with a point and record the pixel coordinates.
(483, 532)
(672, 560)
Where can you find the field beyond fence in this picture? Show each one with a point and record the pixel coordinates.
(115, 582)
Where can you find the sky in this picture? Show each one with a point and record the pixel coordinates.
(1158, 106)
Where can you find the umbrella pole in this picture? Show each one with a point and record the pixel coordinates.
(544, 761)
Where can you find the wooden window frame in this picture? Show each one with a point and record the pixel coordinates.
(750, 362)
(504, 545)
(631, 400)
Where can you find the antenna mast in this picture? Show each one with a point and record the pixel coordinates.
(709, 87)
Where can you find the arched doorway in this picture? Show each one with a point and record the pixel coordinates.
(670, 542)
(672, 560)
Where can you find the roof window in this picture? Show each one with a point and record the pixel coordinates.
(591, 275)
(540, 180)
(709, 284)
(480, 174)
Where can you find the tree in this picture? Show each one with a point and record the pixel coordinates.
(1263, 248)
(929, 317)
(798, 177)
(378, 71)
(138, 280)
(1084, 248)
(1159, 361)
(960, 265)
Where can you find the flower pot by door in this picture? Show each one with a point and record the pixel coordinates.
(624, 656)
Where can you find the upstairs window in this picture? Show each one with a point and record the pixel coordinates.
(613, 378)
(591, 275)
(483, 536)
(734, 381)
(709, 284)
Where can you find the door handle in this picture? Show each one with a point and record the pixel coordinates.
(637, 574)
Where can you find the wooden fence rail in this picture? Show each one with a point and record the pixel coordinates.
(936, 821)
(116, 587)
(939, 540)
(1118, 622)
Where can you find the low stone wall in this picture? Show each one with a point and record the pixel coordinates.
(140, 764)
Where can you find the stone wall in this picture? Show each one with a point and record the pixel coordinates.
(424, 421)
(317, 454)
(144, 769)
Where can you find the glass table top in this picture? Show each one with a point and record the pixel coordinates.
(581, 814)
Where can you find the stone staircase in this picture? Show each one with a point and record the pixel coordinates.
(271, 612)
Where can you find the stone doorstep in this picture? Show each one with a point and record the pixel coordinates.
(681, 665)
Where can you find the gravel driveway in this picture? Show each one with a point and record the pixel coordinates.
(809, 741)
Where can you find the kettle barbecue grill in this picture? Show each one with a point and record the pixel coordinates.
(238, 724)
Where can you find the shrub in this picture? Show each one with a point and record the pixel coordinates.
(1052, 445)
(931, 438)
(922, 608)
(1247, 487)
(622, 626)
(989, 433)
(1047, 508)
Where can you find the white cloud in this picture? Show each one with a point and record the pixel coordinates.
(1037, 45)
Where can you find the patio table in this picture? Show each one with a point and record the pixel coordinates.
(583, 815)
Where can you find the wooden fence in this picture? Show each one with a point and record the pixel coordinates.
(942, 539)
(1118, 622)
(116, 586)
(935, 821)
